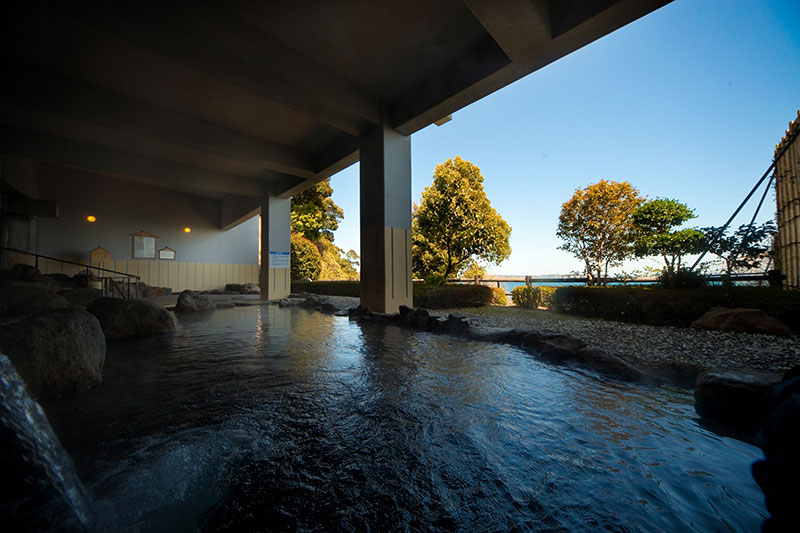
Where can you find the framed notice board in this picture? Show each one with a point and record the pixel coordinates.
(143, 245)
(166, 254)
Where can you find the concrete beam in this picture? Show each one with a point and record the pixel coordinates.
(453, 89)
(60, 96)
(429, 103)
(518, 26)
(328, 162)
(217, 43)
(235, 210)
(118, 163)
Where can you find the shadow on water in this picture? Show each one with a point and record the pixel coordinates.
(267, 418)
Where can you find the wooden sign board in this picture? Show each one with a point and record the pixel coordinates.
(143, 245)
(98, 256)
(166, 254)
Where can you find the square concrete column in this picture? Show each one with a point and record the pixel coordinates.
(385, 201)
(275, 278)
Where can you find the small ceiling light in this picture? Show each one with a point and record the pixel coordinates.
(91, 218)
(187, 229)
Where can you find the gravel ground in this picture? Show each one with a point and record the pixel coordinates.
(654, 345)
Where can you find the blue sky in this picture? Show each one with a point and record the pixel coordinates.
(686, 103)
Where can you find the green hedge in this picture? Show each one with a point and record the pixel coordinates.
(546, 295)
(498, 296)
(330, 288)
(665, 307)
(533, 297)
(428, 296)
(525, 296)
(452, 296)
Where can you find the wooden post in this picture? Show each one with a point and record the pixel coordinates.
(527, 281)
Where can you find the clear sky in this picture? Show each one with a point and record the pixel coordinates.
(686, 103)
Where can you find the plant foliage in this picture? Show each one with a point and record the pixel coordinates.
(655, 222)
(743, 249)
(455, 222)
(314, 214)
(525, 296)
(452, 296)
(306, 261)
(596, 225)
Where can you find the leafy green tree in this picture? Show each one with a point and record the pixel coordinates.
(306, 261)
(655, 222)
(471, 268)
(314, 215)
(455, 222)
(745, 248)
(596, 225)
(314, 218)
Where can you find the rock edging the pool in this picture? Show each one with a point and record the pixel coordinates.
(727, 400)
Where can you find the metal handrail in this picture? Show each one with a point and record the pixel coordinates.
(130, 277)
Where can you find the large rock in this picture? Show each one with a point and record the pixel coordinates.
(744, 320)
(29, 274)
(20, 293)
(778, 474)
(84, 296)
(192, 302)
(148, 291)
(251, 288)
(732, 397)
(56, 351)
(40, 489)
(130, 318)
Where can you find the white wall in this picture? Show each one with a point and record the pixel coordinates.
(123, 208)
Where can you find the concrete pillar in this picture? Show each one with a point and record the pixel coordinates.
(275, 245)
(385, 220)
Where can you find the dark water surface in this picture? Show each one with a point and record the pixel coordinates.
(263, 418)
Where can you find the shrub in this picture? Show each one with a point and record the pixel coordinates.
(682, 279)
(673, 307)
(525, 296)
(451, 296)
(546, 295)
(306, 261)
(330, 288)
(498, 296)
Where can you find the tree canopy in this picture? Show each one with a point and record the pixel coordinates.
(745, 248)
(455, 222)
(314, 218)
(654, 224)
(314, 213)
(596, 225)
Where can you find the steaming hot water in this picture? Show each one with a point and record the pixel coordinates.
(267, 418)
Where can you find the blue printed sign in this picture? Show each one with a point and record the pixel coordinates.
(278, 259)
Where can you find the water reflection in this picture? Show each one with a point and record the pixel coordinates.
(289, 419)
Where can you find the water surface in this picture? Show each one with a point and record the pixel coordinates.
(266, 418)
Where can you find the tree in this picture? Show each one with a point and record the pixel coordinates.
(314, 214)
(306, 261)
(597, 226)
(745, 248)
(654, 222)
(455, 222)
(314, 218)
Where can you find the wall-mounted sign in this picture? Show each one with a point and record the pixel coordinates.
(99, 255)
(278, 259)
(143, 245)
(166, 254)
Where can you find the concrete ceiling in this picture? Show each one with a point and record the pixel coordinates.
(238, 98)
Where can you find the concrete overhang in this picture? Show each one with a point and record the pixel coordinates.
(240, 98)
